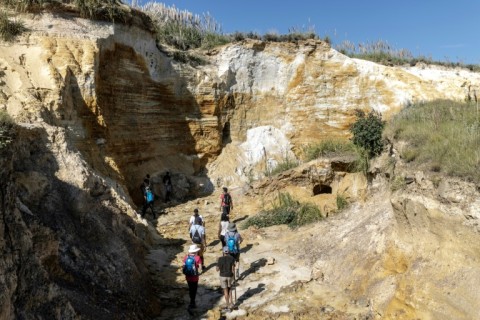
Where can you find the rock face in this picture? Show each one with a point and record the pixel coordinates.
(70, 247)
(98, 106)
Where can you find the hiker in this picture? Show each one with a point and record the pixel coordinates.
(145, 183)
(148, 196)
(226, 203)
(226, 266)
(196, 215)
(167, 183)
(197, 234)
(233, 240)
(191, 262)
(222, 229)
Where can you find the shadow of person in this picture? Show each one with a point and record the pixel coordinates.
(214, 243)
(240, 219)
(254, 266)
(246, 248)
(249, 293)
(211, 265)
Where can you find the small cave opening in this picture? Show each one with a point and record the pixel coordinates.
(321, 189)
(226, 138)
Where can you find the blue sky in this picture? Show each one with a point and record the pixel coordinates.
(443, 29)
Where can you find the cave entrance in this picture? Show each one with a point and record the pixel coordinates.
(322, 189)
(226, 138)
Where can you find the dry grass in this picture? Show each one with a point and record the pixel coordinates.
(442, 136)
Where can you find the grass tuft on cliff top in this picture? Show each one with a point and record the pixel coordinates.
(441, 136)
(285, 210)
(9, 29)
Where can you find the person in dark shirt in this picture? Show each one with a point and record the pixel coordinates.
(226, 203)
(146, 185)
(167, 183)
(226, 266)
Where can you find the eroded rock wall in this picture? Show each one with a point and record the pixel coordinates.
(98, 106)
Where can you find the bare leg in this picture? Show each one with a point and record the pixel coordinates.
(226, 294)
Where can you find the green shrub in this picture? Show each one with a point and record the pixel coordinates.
(285, 165)
(306, 214)
(330, 147)
(109, 10)
(397, 183)
(367, 132)
(6, 130)
(285, 210)
(441, 136)
(342, 202)
(9, 29)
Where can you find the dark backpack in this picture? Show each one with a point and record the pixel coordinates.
(196, 238)
(227, 199)
(149, 195)
(232, 242)
(190, 269)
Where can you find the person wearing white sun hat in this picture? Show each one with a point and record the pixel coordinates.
(191, 263)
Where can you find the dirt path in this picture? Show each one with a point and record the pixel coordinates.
(264, 268)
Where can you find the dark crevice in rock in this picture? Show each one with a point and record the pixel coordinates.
(322, 189)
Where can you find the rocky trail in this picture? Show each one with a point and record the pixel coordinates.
(262, 272)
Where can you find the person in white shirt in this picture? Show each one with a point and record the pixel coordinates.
(197, 234)
(222, 229)
(195, 216)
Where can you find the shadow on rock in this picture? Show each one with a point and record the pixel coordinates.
(240, 219)
(246, 248)
(254, 266)
(249, 293)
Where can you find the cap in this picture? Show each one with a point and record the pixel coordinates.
(232, 227)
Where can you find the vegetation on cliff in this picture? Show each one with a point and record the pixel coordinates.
(9, 29)
(382, 52)
(440, 136)
(285, 210)
(6, 130)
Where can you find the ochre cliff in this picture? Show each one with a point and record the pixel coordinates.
(98, 105)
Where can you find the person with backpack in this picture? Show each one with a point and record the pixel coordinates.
(226, 266)
(226, 203)
(167, 183)
(191, 262)
(222, 229)
(233, 240)
(148, 196)
(195, 215)
(197, 234)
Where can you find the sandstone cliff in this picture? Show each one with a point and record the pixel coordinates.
(98, 106)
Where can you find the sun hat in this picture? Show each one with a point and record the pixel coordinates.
(193, 248)
(225, 249)
(232, 227)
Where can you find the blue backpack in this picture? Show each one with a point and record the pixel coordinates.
(149, 195)
(232, 243)
(190, 269)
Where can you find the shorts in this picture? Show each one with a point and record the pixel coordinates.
(226, 282)
(226, 210)
(236, 256)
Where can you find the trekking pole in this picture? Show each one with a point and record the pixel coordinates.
(235, 289)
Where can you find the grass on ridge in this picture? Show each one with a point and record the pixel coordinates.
(442, 136)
